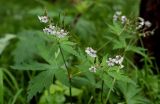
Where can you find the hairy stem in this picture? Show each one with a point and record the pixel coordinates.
(69, 75)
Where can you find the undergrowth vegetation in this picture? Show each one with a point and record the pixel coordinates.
(74, 52)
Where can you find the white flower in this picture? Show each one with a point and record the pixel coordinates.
(118, 59)
(52, 30)
(110, 62)
(48, 31)
(91, 52)
(92, 69)
(141, 23)
(61, 33)
(116, 15)
(43, 19)
(148, 24)
(115, 61)
(123, 19)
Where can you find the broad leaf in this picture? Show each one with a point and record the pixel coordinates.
(39, 82)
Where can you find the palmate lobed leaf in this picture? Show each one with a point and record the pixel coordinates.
(27, 46)
(43, 80)
(39, 82)
(132, 94)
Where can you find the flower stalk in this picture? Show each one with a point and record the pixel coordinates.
(69, 74)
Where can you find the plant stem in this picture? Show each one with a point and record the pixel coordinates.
(102, 86)
(89, 102)
(1, 86)
(102, 91)
(69, 75)
(114, 80)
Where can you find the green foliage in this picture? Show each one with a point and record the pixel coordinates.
(132, 94)
(119, 76)
(48, 62)
(42, 80)
(56, 94)
(25, 48)
(5, 41)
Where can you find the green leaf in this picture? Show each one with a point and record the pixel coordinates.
(117, 44)
(55, 88)
(69, 43)
(138, 50)
(61, 76)
(27, 46)
(132, 94)
(103, 63)
(85, 29)
(107, 81)
(120, 76)
(46, 52)
(5, 41)
(31, 66)
(75, 91)
(69, 49)
(115, 28)
(41, 81)
(80, 82)
(16, 96)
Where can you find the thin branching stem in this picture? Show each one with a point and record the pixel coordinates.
(102, 86)
(69, 75)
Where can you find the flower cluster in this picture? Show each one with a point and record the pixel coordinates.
(93, 69)
(115, 61)
(118, 16)
(144, 27)
(51, 29)
(91, 52)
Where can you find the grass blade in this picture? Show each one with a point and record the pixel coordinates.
(1, 86)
